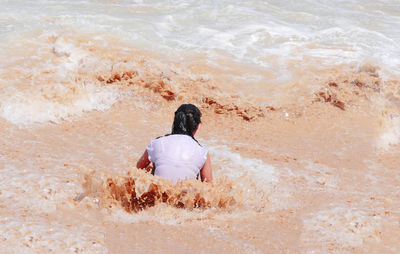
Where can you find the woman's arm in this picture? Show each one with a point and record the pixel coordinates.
(143, 162)
(206, 171)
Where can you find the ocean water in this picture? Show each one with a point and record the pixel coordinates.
(301, 109)
(278, 43)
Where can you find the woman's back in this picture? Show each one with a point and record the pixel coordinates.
(176, 157)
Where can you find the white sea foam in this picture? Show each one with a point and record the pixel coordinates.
(48, 86)
(32, 195)
(234, 166)
(270, 35)
(391, 132)
(36, 234)
(343, 226)
(35, 189)
(250, 31)
(24, 108)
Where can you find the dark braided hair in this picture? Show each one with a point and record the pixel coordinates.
(187, 118)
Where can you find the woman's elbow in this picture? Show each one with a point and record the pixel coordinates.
(143, 162)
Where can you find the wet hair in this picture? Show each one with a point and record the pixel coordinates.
(187, 118)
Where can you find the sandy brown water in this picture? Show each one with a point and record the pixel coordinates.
(311, 166)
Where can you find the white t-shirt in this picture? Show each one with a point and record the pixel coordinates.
(176, 157)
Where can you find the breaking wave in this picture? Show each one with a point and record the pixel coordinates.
(138, 190)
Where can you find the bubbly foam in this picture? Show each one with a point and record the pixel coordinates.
(25, 235)
(272, 38)
(272, 35)
(235, 166)
(51, 83)
(33, 195)
(40, 190)
(391, 132)
(139, 191)
(342, 226)
(23, 108)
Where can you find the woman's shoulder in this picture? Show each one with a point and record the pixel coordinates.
(157, 139)
(179, 139)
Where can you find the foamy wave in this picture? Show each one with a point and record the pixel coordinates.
(345, 227)
(25, 108)
(138, 191)
(236, 166)
(391, 132)
(40, 190)
(38, 235)
(254, 177)
(31, 219)
(145, 197)
(54, 82)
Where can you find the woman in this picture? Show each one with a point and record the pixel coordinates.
(179, 155)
